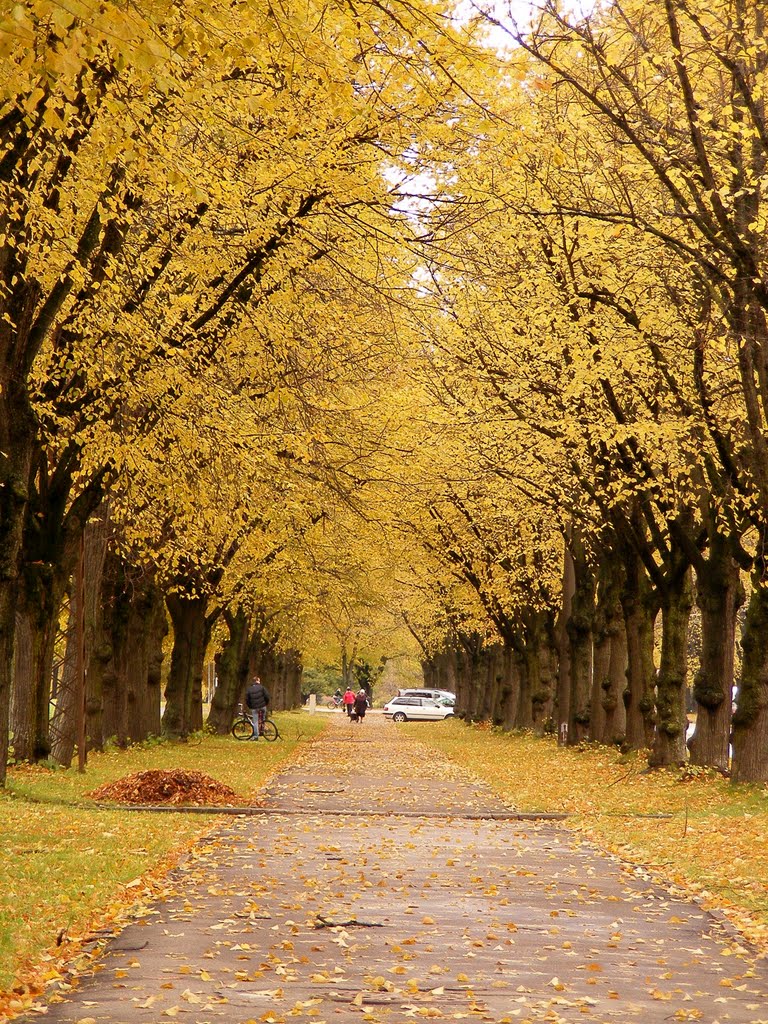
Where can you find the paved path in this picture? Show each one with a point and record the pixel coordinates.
(422, 899)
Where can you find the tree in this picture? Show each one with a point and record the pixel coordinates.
(191, 217)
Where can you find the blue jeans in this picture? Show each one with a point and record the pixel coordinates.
(255, 720)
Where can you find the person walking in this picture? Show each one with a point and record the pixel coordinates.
(361, 704)
(257, 701)
(349, 700)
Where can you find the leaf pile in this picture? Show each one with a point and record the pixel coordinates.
(166, 786)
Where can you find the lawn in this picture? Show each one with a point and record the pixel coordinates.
(691, 827)
(70, 867)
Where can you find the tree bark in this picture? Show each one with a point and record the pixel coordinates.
(563, 706)
(65, 718)
(231, 672)
(639, 610)
(124, 679)
(294, 675)
(579, 628)
(529, 683)
(671, 721)
(615, 726)
(64, 722)
(184, 693)
(509, 690)
(494, 661)
(18, 436)
(543, 700)
(40, 597)
(608, 724)
(142, 660)
(7, 635)
(289, 670)
(750, 722)
(468, 661)
(719, 595)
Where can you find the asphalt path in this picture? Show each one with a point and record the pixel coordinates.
(384, 883)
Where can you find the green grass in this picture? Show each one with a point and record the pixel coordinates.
(66, 863)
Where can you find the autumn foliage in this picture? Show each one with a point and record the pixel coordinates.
(386, 332)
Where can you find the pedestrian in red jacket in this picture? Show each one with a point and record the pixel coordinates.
(349, 700)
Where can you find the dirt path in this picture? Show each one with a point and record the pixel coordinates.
(388, 885)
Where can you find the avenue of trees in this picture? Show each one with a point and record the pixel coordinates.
(331, 329)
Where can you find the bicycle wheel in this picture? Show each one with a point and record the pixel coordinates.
(269, 731)
(331, 705)
(242, 729)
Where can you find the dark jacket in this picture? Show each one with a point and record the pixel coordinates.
(361, 703)
(257, 696)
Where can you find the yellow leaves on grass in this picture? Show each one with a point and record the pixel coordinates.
(721, 856)
(90, 868)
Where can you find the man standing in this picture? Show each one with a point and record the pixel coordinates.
(256, 700)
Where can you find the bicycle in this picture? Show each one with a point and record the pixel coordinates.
(242, 728)
(333, 703)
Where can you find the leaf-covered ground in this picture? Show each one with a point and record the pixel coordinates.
(70, 868)
(370, 906)
(692, 827)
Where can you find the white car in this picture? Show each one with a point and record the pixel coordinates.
(407, 708)
(416, 691)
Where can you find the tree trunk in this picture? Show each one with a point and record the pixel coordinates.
(64, 722)
(719, 595)
(65, 718)
(292, 669)
(18, 433)
(472, 651)
(509, 690)
(141, 662)
(639, 610)
(608, 723)
(563, 709)
(750, 722)
(671, 721)
(184, 692)
(7, 636)
(579, 627)
(615, 726)
(231, 672)
(494, 660)
(444, 669)
(543, 699)
(106, 701)
(600, 668)
(40, 596)
(125, 667)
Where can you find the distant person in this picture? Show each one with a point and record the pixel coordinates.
(257, 701)
(349, 700)
(361, 704)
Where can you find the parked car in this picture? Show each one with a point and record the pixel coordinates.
(434, 694)
(409, 708)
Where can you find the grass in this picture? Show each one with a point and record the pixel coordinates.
(693, 828)
(68, 867)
